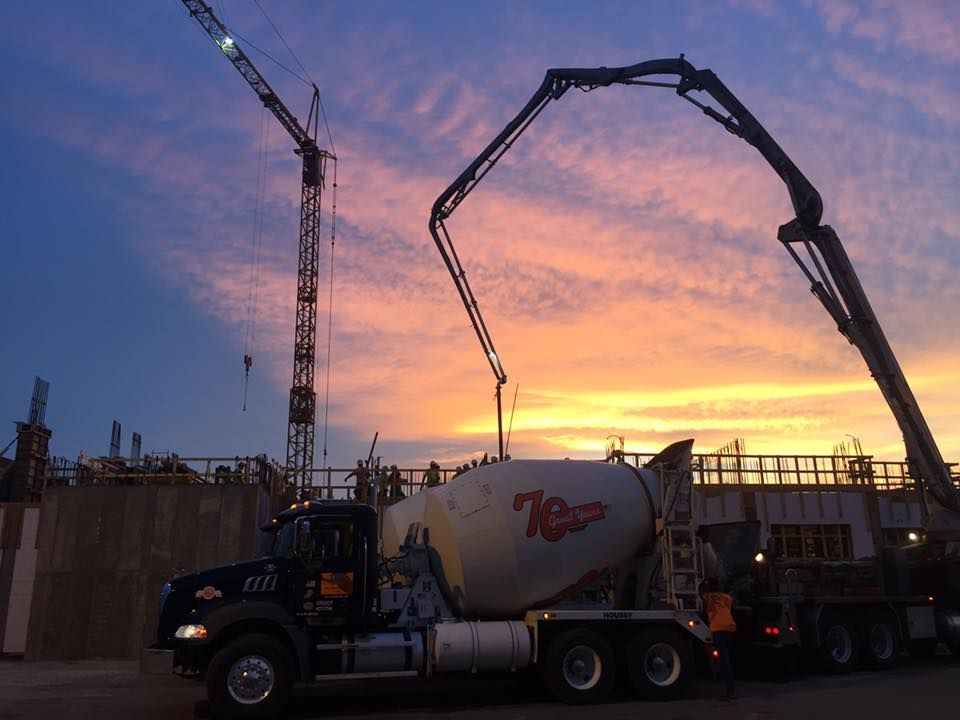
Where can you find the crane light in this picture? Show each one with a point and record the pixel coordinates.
(912, 537)
(759, 557)
(227, 43)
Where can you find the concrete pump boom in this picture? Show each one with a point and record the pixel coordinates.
(829, 271)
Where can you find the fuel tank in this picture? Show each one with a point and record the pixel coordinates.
(512, 536)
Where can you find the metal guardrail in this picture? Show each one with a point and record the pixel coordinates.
(336, 484)
(795, 470)
(164, 469)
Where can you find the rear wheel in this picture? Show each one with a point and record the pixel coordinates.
(580, 667)
(879, 642)
(659, 663)
(839, 650)
(250, 677)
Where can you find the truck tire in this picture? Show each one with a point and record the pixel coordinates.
(879, 642)
(580, 667)
(659, 664)
(250, 677)
(839, 650)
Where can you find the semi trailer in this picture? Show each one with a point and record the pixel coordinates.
(572, 571)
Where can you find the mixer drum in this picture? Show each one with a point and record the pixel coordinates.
(522, 534)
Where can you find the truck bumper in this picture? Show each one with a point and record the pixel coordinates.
(156, 661)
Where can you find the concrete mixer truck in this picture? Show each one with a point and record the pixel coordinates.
(577, 572)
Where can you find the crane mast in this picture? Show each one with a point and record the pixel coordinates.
(821, 256)
(303, 398)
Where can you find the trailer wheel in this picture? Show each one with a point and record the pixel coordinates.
(879, 642)
(839, 650)
(580, 667)
(250, 677)
(659, 663)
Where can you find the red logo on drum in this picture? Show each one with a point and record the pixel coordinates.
(553, 518)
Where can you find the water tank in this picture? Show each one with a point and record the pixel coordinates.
(516, 535)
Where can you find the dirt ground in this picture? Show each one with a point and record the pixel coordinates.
(114, 690)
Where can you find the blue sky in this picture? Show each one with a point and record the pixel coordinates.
(624, 255)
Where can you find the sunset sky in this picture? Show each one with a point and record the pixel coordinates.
(624, 254)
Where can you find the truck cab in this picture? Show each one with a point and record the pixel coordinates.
(251, 627)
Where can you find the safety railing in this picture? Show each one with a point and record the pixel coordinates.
(340, 484)
(794, 470)
(170, 469)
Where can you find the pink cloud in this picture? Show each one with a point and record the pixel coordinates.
(626, 246)
(930, 28)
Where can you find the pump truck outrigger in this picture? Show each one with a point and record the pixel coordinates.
(580, 571)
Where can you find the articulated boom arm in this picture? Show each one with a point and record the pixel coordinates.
(832, 278)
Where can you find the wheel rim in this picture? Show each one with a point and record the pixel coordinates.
(582, 667)
(661, 664)
(250, 679)
(839, 644)
(881, 641)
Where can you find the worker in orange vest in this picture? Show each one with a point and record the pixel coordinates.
(719, 608)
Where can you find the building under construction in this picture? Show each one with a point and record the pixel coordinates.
(109, 522)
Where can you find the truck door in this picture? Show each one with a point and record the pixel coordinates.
(329, 582)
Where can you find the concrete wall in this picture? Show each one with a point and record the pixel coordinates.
(864, 511)
(105, 552)
(18, 564)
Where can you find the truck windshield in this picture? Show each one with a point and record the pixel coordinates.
(283, 541)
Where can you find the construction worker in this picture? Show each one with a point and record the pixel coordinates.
(362, 490)
(395, 482)
(432, 476)
(719, 609)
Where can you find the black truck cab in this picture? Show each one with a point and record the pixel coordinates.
(319, 576)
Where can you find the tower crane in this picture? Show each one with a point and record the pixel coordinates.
(303, 399)
(827, 268)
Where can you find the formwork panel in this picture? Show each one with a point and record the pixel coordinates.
(105, 552)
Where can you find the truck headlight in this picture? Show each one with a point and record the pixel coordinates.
(191, 632)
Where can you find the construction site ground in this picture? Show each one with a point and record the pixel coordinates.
(116, 689)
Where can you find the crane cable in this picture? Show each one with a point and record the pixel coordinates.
(256, 252)
(306, 77)
(333, 242)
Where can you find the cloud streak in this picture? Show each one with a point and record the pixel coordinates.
(624, 254)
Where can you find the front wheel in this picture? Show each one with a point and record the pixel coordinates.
(659, 663)
(250, 677)
(580, 667)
